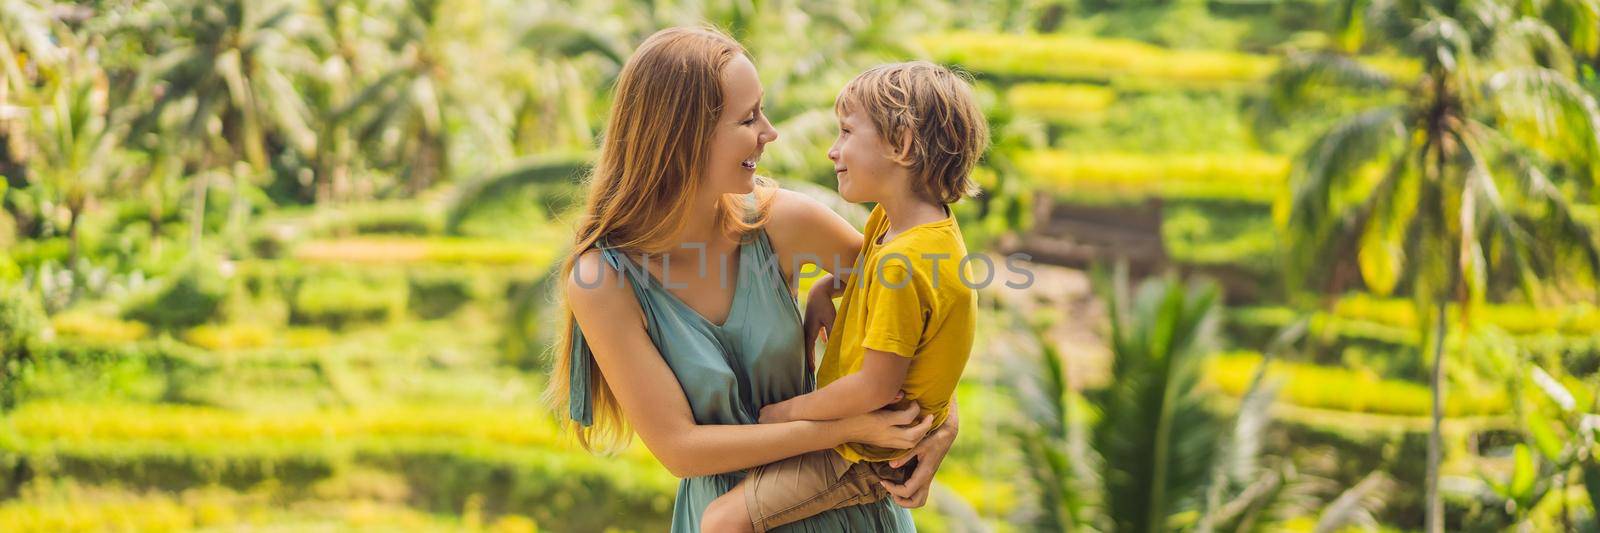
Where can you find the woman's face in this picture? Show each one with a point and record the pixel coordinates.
(742, 131)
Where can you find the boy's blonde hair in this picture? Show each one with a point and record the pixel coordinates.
(931, 116)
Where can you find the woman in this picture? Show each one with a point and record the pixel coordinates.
(680, 286)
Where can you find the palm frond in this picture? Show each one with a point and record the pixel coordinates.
(1333, 160)
(1530, 41)
(1237, 478)
(570, 40)
(1350, 17)
(1552, 114)
(1309, 79)
(1326, 184)
(1579, 22)
(1159, 340)
(1567, 227)
(1505, 233)
(959, 515)
(1442, 43)
(1356, 506)
(1057, 461)
(543, 170)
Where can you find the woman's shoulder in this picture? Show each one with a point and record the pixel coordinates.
(790, 214)
(594, 279)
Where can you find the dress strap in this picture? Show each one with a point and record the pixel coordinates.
(580, 406)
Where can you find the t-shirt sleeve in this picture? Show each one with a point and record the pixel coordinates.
(896, 311)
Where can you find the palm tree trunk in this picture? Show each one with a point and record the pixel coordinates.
(73, 252)
(1435, 512)
(197, 220)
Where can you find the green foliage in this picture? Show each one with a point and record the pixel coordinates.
(99, 371)
(532, 322)
(1067, 57)
(1059, 102)
(1184, 25)
(32, 253)
(189, 297)
(88, 326)
(1220, 234)
(552, 177)
(438, 293)
(1155, 434)
(1167, 121)
(380, 218)
(458, 251)
(1343, 389)
(22, 321)
(336, 301)
(445, 456)
(1126, 177)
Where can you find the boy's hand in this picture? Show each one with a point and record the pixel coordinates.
(819, 317)
(775, 413)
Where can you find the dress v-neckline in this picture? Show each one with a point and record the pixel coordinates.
(733, 304)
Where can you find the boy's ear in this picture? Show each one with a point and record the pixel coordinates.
(902, 150)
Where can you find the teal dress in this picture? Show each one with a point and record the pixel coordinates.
(729, 372)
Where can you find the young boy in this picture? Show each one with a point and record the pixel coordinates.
(909, 135)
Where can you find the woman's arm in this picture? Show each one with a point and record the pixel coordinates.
(654, 404)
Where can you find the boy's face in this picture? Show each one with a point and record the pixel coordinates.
(864, 164)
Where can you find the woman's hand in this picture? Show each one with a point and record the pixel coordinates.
(929, 453)
(888, 428)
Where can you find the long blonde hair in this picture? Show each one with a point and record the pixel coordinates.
(651, 163)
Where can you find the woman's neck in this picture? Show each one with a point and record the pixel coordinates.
(700, 227)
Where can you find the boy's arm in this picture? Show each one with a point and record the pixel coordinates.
(876, 384)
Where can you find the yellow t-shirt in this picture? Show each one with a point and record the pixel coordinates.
(907, 298)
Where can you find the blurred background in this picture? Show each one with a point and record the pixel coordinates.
(283, 265)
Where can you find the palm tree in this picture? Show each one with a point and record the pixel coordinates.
(26, 44)
(347, 54)
(59, 127)
(1154, 434)
(1146, 453)
(1470, 173)
(413, 97)
(222, 89)
(73, 136)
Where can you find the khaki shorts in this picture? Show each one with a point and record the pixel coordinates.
(806, 485)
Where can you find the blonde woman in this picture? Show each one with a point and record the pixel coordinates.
(681, 287)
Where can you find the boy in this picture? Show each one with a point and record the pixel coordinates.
(909, 135)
